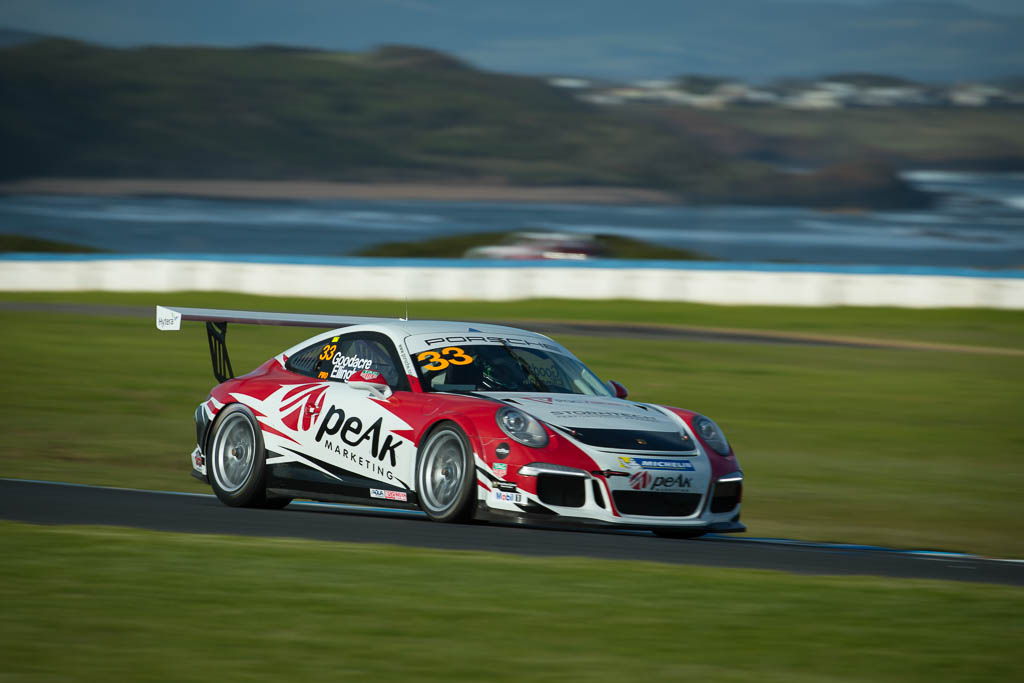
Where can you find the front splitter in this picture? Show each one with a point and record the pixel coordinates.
(487, 514)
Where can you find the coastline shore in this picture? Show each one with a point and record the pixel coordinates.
(315, 189)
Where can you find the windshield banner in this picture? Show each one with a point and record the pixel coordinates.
(434, 342)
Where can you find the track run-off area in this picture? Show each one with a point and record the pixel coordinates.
(57, 503)
(593, 329)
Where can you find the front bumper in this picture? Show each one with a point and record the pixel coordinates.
(568, 495)
(204, 420)
(583, 485)
(198, 461)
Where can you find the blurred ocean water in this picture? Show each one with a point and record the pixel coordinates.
(978, 221)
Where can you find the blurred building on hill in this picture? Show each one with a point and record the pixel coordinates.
(833, 92)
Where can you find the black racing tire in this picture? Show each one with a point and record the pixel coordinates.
(677, 533)
(446, 474)
(236, 465)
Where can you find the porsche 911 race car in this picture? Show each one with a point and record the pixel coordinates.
(459, 420)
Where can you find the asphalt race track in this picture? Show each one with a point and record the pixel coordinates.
(582, 328)
(587, 329)
(56, 503)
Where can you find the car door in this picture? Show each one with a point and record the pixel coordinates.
(357, 437)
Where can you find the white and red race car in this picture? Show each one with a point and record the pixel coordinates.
(459, 420)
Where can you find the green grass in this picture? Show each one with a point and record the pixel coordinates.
(21, 243)
(897, 447)
(900, 448)
(975, 327)
(86, 603)
(987, 137)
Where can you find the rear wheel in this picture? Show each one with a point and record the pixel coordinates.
(237, 458)
(678, 533)
(445, 475)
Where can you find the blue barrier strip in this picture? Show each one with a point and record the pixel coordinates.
(486, 263)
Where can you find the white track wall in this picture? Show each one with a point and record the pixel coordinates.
(388, 279)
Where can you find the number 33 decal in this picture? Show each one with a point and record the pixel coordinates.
(451, 355)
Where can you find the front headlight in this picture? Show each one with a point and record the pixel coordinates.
(711, 434)
(522, 427)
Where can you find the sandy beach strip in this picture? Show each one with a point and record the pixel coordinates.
(313, 189)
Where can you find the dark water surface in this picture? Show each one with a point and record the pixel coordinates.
(979, 222)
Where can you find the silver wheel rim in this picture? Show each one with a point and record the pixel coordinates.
(442, 469)
(234, 452)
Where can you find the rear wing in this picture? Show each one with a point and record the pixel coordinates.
(169, 319)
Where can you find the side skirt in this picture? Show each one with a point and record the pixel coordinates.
(295, 480)
(351, 499)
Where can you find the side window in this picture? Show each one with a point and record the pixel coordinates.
(305, 361)
(338, 358)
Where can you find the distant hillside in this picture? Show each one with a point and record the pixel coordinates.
(396, 113)
(755, 40)
(10, 37)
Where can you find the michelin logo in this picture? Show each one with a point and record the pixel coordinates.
(657, 464)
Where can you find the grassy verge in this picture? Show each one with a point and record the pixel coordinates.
(86, 603)
(894, 447)
(921, 136)
(978, 327)
(882, 446)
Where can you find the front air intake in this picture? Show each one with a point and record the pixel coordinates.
(655, 504)
(727, 496)
(554, 489)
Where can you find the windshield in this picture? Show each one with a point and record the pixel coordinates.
(500, 367)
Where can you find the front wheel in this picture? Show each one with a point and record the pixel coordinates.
(237, 460)
(445, 474)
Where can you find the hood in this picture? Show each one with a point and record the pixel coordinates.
(602, 421)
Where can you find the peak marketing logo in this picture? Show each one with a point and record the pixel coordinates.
(645, 481)
(640, 480)
(352, 432)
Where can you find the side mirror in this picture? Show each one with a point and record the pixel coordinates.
(371, 381)
(617, 389)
